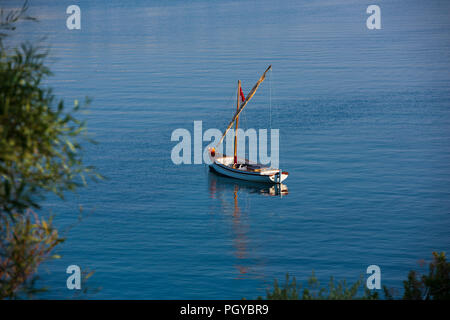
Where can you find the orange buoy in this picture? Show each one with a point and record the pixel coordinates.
(213, 152)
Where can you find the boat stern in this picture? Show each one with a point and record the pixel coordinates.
(279, 177)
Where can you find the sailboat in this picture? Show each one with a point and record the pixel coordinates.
(234, 167)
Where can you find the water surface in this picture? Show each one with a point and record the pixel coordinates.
(364, 124)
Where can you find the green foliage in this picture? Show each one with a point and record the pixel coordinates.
(335, 291)
(289, 291)
(25, 243)
(413, 287)
(40, 152)
(433, 286)
(39, 147)
(9, 18)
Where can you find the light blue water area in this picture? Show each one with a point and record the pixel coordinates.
(364, 119)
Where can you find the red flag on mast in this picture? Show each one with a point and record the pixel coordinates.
(242, 94)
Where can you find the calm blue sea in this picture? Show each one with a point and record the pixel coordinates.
(364, 119)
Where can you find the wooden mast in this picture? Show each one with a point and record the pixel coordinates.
(237, 121)
(247, 99)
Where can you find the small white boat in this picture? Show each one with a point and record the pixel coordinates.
(243, 169)
(246, 170)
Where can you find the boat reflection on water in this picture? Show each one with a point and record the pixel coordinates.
(218, 183)
(228, 192)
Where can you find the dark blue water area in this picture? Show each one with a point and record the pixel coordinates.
(364, 119)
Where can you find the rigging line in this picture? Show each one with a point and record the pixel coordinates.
(270, 99)
(244, 122)
(275, 107)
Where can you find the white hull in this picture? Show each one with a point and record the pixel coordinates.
(223, 166)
